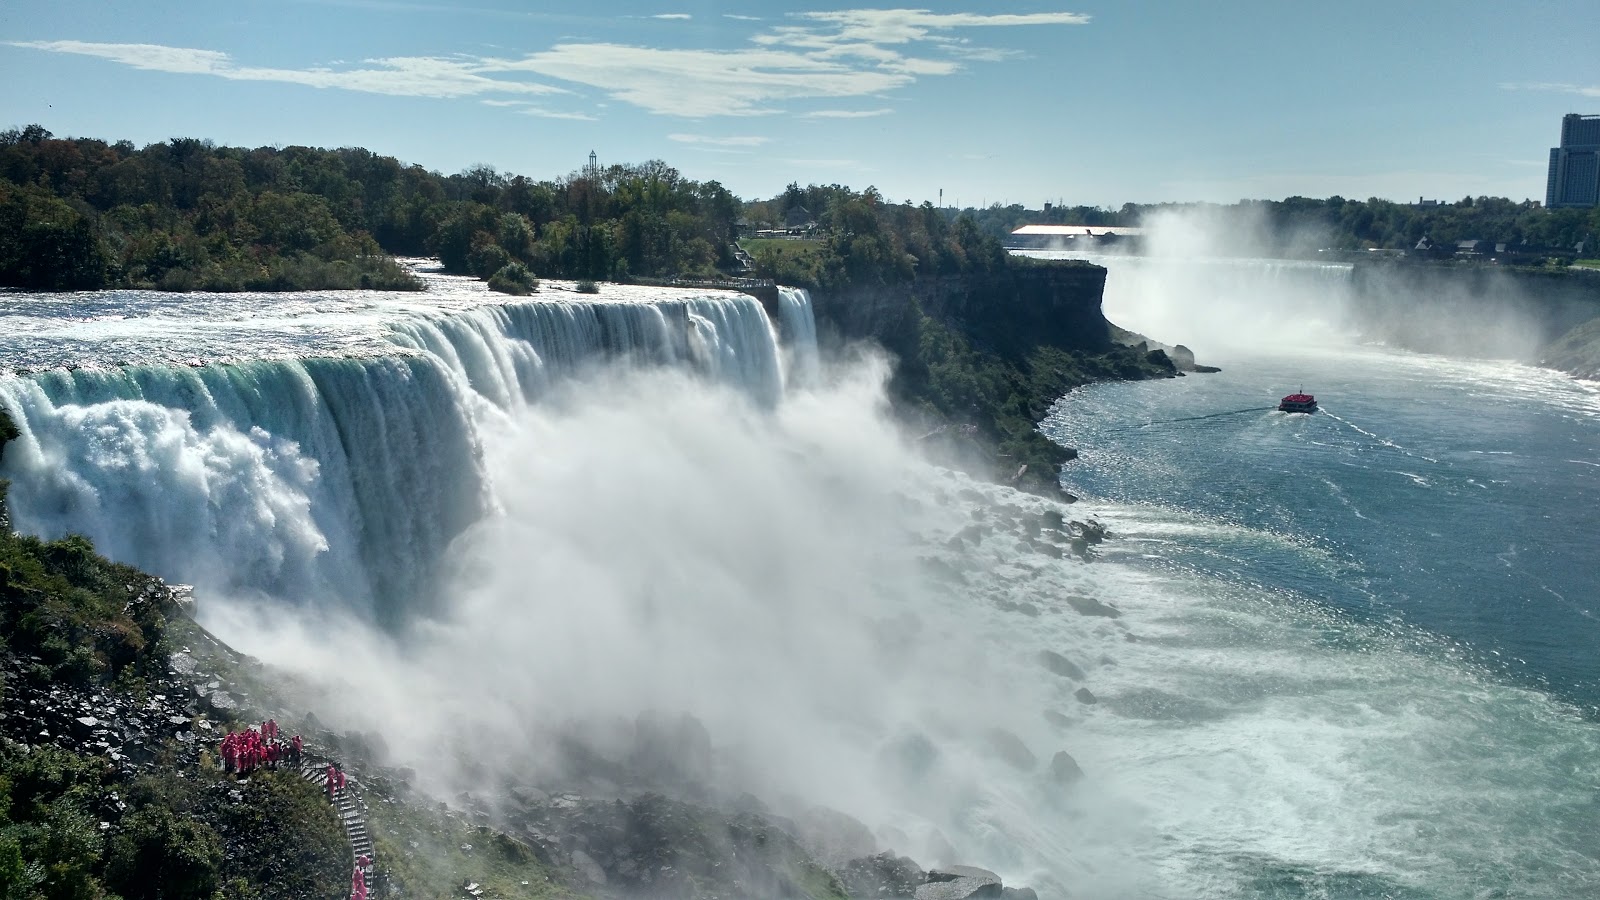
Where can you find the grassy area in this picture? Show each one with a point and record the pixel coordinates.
(1587, 263)
(781, 246)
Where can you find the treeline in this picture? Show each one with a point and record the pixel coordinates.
(1301, 223)
(79, 214)
(184, 214)
(862, 239)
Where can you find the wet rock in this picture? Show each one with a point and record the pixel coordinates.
(588, 868)
(834, 837)
(1018, 894)
(1027, 609)
(883, 875)
(1057, 719)
(959, 883)
(222, 703)
(1085, 695)
(1010, 748)
(911, 757)
(671, 749)
(1060, 665)
(1064, 769)
(1088, 606)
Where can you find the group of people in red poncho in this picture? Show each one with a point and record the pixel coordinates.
(245, 751)
(358, 880)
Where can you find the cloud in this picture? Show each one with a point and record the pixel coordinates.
(741, 18)
(815, 56)
(845, 113)
(1552, 87)
(704, 140)
(901, 26)
(399, 76)
(702, 83)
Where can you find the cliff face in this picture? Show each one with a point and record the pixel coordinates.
(1009, 311)
(1472, 310)
(982, 357)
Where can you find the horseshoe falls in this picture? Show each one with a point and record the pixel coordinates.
(1344, 655)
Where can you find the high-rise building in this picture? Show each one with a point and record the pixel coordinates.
(1574, 178)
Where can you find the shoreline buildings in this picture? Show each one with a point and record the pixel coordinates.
(1574, 179)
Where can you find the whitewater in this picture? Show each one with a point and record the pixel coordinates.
(528, 519)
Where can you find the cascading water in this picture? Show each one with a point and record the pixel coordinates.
(334, 482)
(798, 326)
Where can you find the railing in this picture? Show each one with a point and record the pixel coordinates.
(728, 284)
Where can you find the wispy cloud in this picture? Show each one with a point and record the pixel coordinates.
(526, 108)
(814, 56)
(741, 18)
(401, 76)
(704, 83)
(707, 141)
(902, 26)
(845, 113)
(1552, 87)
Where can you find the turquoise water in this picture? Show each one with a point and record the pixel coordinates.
(1459, 497)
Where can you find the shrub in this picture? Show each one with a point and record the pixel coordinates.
(514, 278)
(588, 287)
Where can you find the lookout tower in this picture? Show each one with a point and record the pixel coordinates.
(593, 169)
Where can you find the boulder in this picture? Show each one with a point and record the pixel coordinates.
(834, 837)
(1018, 894)
(1064, 769)
(1088, 606)
(672, 749)
(959, 883)
(1060, 665)
(1010, 748)
(1057, 719)
(882, 875)
(1085, 695)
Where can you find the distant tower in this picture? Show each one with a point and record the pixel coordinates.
(594, 165)
(1574, 177)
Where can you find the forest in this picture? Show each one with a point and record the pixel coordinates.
(185, 214)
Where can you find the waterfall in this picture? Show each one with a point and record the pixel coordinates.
(337, 482)
(799, 327)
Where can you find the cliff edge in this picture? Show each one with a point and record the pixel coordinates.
(983, 355)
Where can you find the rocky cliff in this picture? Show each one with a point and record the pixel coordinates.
(1009, 310)
(981, 357)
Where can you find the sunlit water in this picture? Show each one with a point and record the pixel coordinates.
(1347, 661)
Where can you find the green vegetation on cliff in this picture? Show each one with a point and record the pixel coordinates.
(80, 634)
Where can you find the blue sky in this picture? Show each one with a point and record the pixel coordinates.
(1084, 102)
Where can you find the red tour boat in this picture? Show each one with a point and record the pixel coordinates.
(1298, 403)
